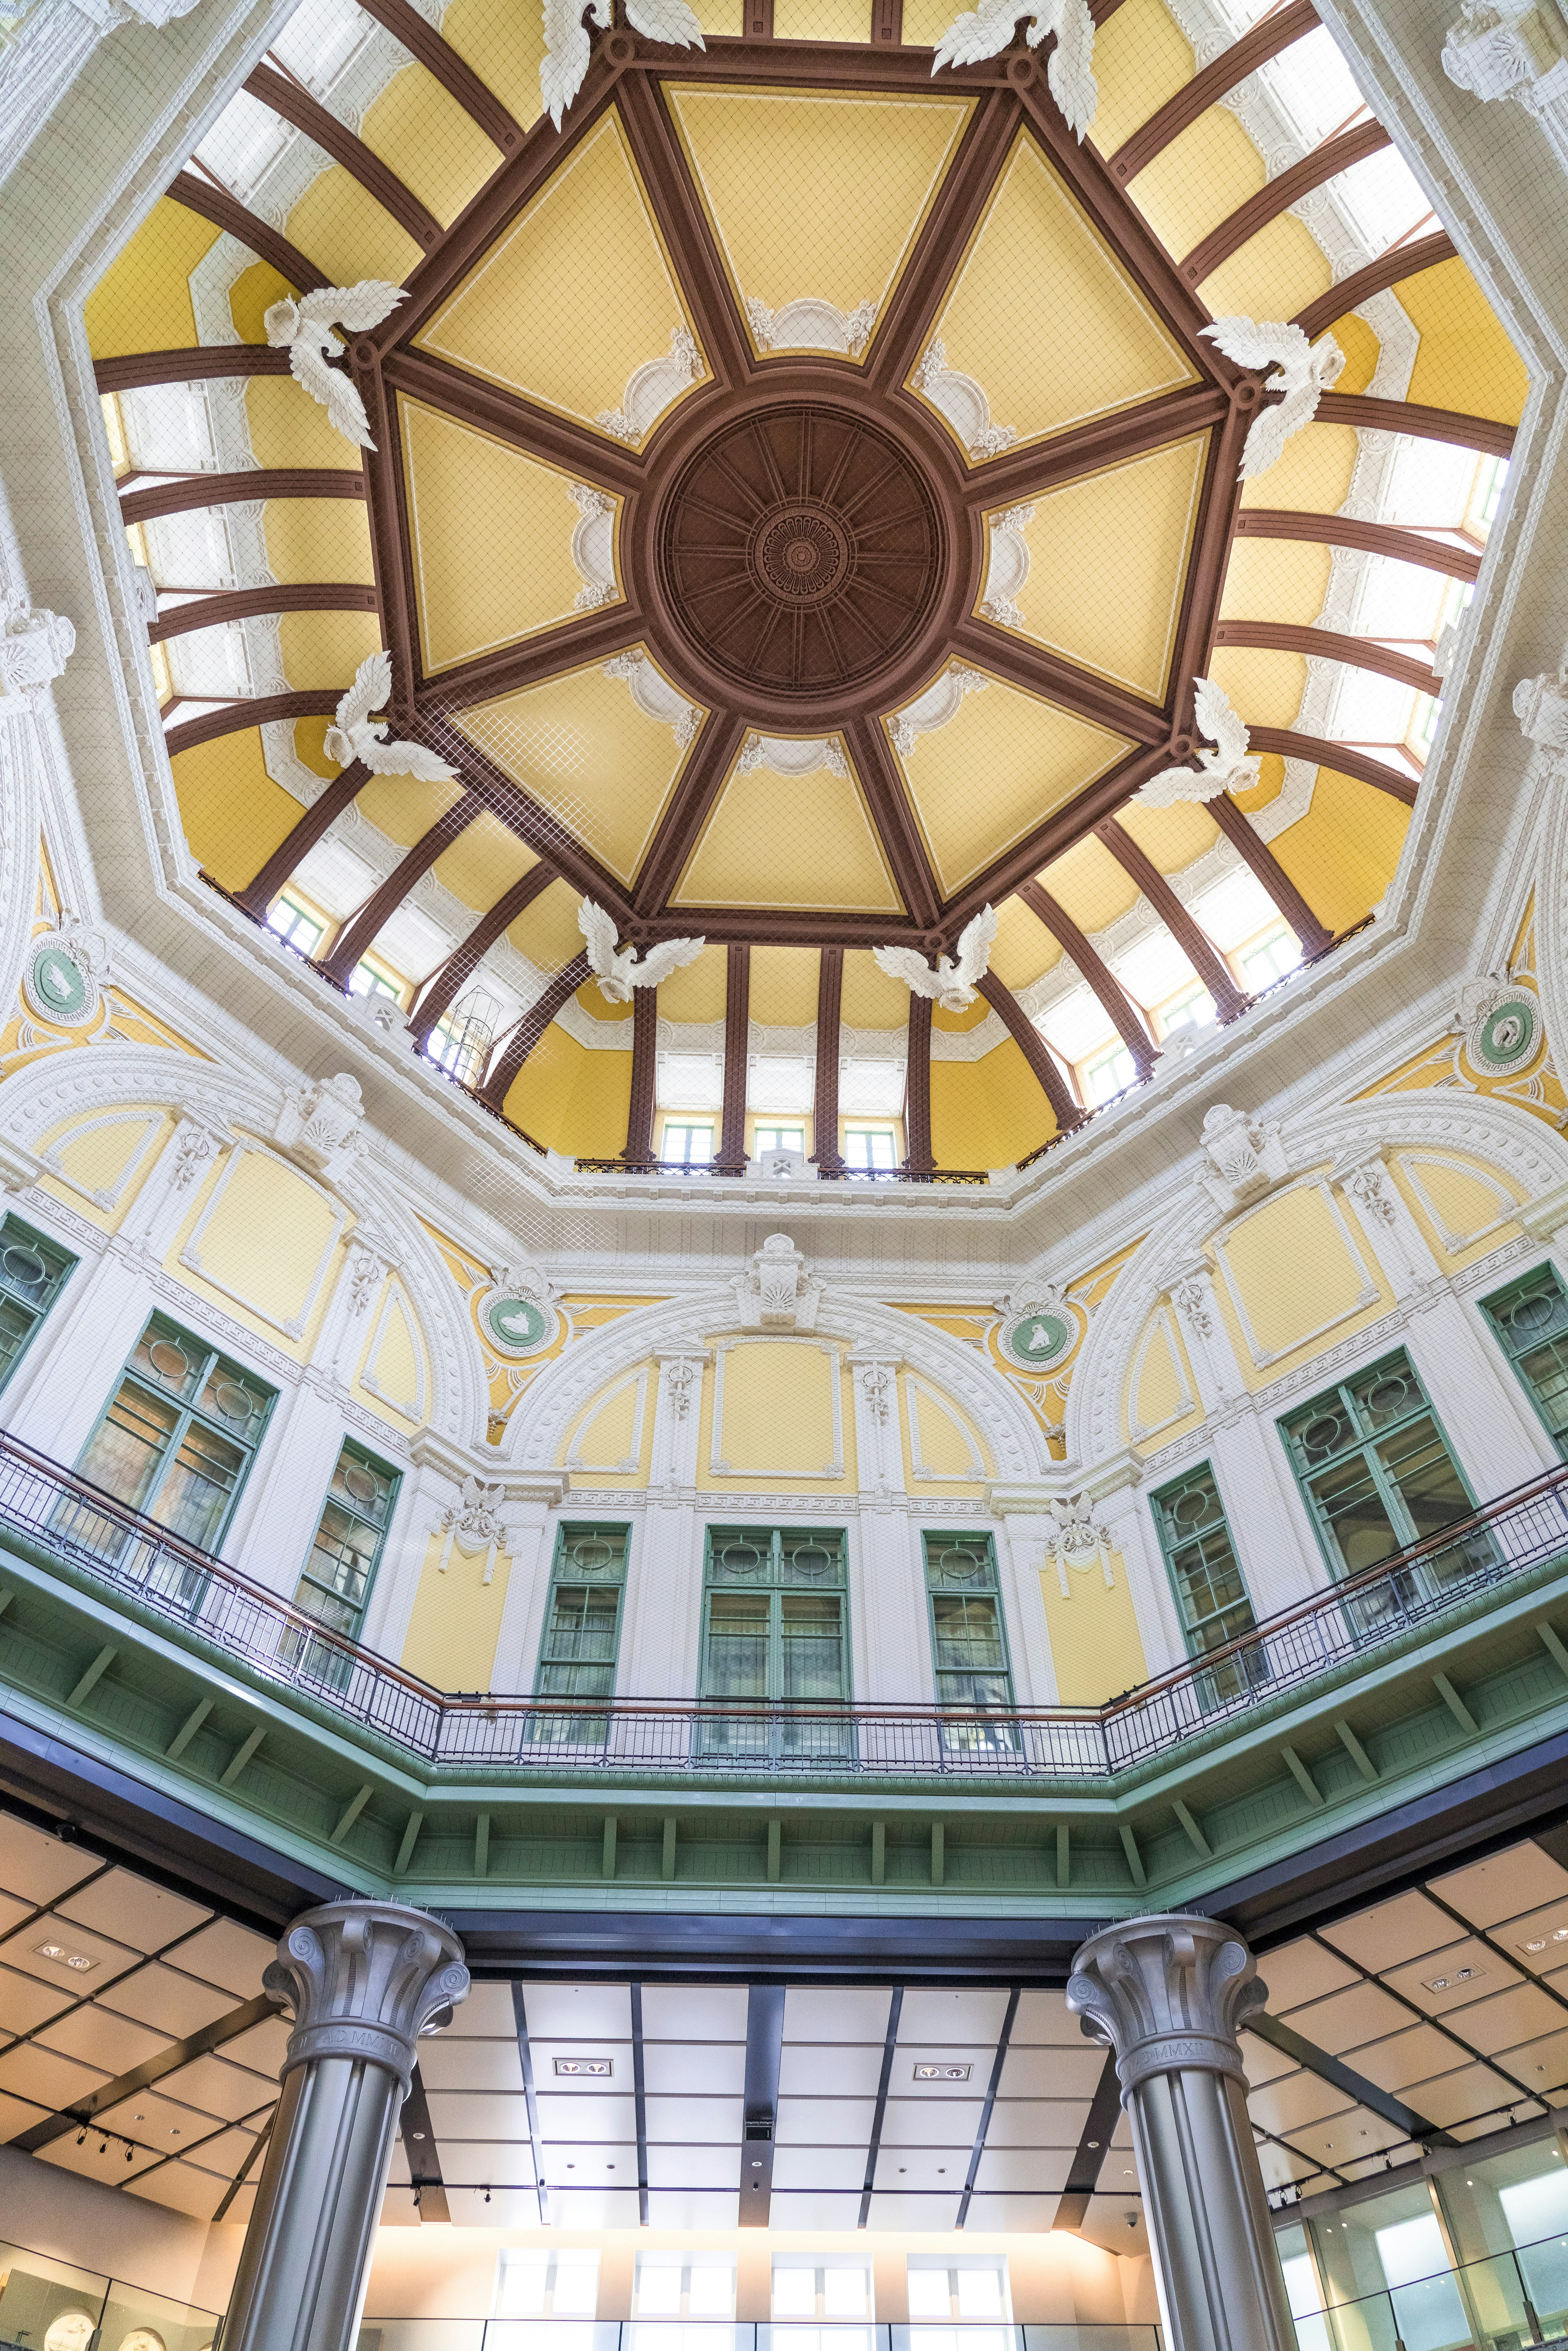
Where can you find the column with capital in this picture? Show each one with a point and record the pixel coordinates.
(365, 1980)
(1168, 1995)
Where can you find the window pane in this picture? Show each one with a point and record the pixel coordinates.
(1531, 1321)
(169, 1359)
(1356, 1515)
(126, 1453)
(736, 1644)
(1420, 1468)
(201, 1481)
(811, 1625)
(929, 2295)
(342, 1554)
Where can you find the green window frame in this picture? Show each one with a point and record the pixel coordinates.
(1377, 1473)
(579, 1644)
(350, 1534)
(1211, 1595)
(775, 1639)
(178, 1437)
(970, 1654)
(1529, 1321)
(33, 1270)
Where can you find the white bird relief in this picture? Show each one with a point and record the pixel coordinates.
(306, 329)
(564, 65)
(984, 32)
(954, 982)
(1227, 768)
(1303, 371)
(619, 973)
(355, 735)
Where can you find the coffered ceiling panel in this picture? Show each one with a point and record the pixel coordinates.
(828, 854)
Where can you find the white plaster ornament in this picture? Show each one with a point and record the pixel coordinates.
(1078, 1539)
(618, 973)
(322, 1125)
(1246, 1158)
(564, 66)
(305, 329)
(354, 734)
(35, 646)
(1303, 372)
(66, 971)
(1507, 52)
(777, 1292)
(1226, 769)
(1541, 707)
(954, 982)
(986, 31)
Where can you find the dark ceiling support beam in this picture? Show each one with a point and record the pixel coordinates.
(901, 335)
(879, 2112)
(247, 603)
(380, 182)
(737, 1051)
(1287, 188)
(391, 539)
(456, 75)
(418, 2133)
(1037, 466)
(988, 2106)
(538, 828)
(1203, 586)
(200, 2044)
(829, 1158)
(1390, 268)
(1369, 415)
(1036, 670)
(590, 455)
(300, 840)
(1266, 41)
(780, 927)
(1340, 757)
(198, 365)
(1194, 943)
(1344, 2077)
(531, 1028)
(216, 204)
(893, 819)
(1329, 644)
(708, 763)
(917, 1090)
(1065, 1107)
(1094, 2145)
(639, 1148)
(446, 983)
(639, 2102)
(1057, 833)
(361, 929)
(194, 490)
(1254, 850)
(683, 224)
(574, 644)
(530, 2102)
(886, 18)
(1125, 1015)
(1368, 538)
(760, 2128)
(256, 710)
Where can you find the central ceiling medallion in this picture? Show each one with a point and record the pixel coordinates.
(799, 550)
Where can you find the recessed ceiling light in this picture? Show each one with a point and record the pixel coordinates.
(568, 2066)
(1458, 1976)
(77, 1961)
(942, 2073)
(1558, 1935)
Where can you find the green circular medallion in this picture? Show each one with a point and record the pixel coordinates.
(1038, 1340)
(517, 1324)
(60, 987)
(1507, 1036)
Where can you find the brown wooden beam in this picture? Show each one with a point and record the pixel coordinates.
(574, 644)
(1123, 1013)
(537, 826)
(683, 224)
(639, 1148)
(1329, 644)
(1036, 670)
(531, 1028)
(1338, 756)
(1065, 1107)
(1056, 834)
(1204, 585)
(257, 710)
(1254, 850)
(199, 364)
(701, 780)
(871, 757)
(886, 20)
(248, 603)
(300, 840)
(444, 984)
(917, 1090)
(224, 211)
(901, 334)
(362, 929)
(392, 540)
(1195, 943)
(1371, 538)
(193, 490)
(1287, 188)
(1390, 268)
(1276, 32)
(1369, 415)
(380, 182)
(1039, 465)
(826, 1155)
(731, 1158)
(486, 407)
(456, 75)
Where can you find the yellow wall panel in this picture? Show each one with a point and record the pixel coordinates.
(1343, 853)
(945, 1444)
(403, 806)
(1294, 1268)
(572, 1099)
(1170, 838)
(234, 814)
(267, 1238)
(1465, 360)
(324, 649)
(1198, 181)
(251, 296)
(483, 863)
(548, 932)
(339, 227)
(697, 991)
(457, 1620)
(319, 539)
(1023, 947)
(287, 427)
(1095, 1646)
(504, 45)
(1091, 885)
(1313, 475)
(869, 998)
(434, 145)
(1283, 266)
(784, 987)
(777, 1415)
(113, 1161)
(603, 1437)
(143, 302)
(395, 1370)
(1160, 1392)
(988, 1113)
(1264, 688)
(1276, 579)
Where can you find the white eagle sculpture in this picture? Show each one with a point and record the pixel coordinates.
(1226, 769)
(1303, 372)
(354, 734)
(984, 32)
(305, 329)
(564, 65)
(954, 982)
(619, 973)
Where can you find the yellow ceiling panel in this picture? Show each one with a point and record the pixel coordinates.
(582, 747)
(783, 990)
(1169, 838)
(697, 990)
(1342, 854)
(577, 297)
(1043, 316)
(1118, 620)
(434, 146)
(998, 767)
(548, 932)
(868, 998)
(805, 841)
(475, 508)
(820, 20)
(504, 45)
(483, 863)
(1140, 61)
(288, 429)
(322, 650)
(1276, 579)
(339, 227)
(1279, 271)
(250, 296)
(1264, 688)
(1090, 885)
(1313, 476)
(319, 539)
(1465, 360)
(816, 193)
(1198, 181)
(404, 808)
(1023, 947)
(234, 814)
(142, 301)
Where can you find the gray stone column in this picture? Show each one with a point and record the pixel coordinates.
(1167, 1994)
(364, 1980)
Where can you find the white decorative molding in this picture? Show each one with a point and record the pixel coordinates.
(629, 1467)
(322, 1125)
(959, 399)
(395, 1299)
(1161, 1327)
(682, 1379)
(1512, 50)
(1367, 1290)
(934, 707)
(594, 547)
(793, 755)
(651, 388)
(920, 1469)
(473, 1522)
(1245, 1158)
(811, 324)
(1007, 566)
(191, 1255)
(1411, 1163)
(654, 695)
(776, 1292)
(718, 1466)
(1078, 1539)
(152, 1124)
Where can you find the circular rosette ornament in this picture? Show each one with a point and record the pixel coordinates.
(518, 1325)
(1040, 1336)
(1505, 1033)
(59, 983)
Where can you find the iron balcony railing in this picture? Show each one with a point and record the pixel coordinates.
(77, 1525)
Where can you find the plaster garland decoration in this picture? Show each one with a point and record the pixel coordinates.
(792, 755)
(777, 1292)
(354, 734)
(682, 1378)
(1227, 768)
(372, 1258)
(811, 324)
(304, 329)
(619, 972)
(473, 1524)
(653, 694)
(651, 388)
(35, 646)
(1039, 1327)
(933, 708)
(322, 1125)
(195, 1148)
(517, 1313)
(1370, 1187)
(1541, 707)
(878, 1382)
(66, 972)
(1246, 1158)
(1499, 1021)
(1191, 1295)
(1303, 371)
(961, 400)
(1508, 52)
(1007, 566)
(564, 66)
(986, 31)
(594, 547)
(953, 984)
(1078, 1539)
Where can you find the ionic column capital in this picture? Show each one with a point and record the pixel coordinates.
(1169, 1993)
(364, 1980)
